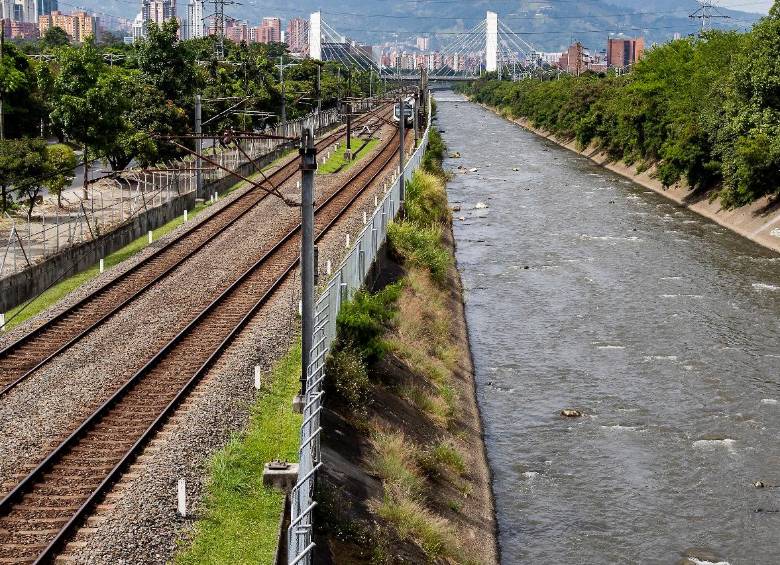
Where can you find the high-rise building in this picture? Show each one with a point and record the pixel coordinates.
(46, 7)
(274, 30)
(423, 43)
(68, 23)
(157, 11)
(298, 35)
(194, 27)
(88, 25)
(624, 52)
(78, 25)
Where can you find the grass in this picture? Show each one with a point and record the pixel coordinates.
(394, 461)
(241, 516)
(338, 162)
(443, 456)
(434, 534)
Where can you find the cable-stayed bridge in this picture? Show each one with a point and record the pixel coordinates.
(490, 46)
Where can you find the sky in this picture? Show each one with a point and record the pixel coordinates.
(758, 6)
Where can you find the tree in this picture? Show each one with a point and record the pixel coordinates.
(55, 37)
(165, 62)
(88, 102)
(9, 164)
(29, 170)
(60, 163)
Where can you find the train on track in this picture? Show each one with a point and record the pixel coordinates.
(408, 111)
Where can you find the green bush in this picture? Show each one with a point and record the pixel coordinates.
(421, 247)
(362, 321)
(426, 199)
(347, 379)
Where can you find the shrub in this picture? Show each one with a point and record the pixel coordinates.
(421, 247)
(347, 379)
(426, 200)
(362, 321)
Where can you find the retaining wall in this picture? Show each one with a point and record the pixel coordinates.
(21, 286)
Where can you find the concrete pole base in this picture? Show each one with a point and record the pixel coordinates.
(281, 475)
(298, 403)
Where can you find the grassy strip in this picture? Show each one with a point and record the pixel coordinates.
(241, 516)
(338, 162)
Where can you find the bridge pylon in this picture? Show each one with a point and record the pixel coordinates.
(491, 42)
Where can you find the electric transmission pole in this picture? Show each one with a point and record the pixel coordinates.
(706, 12)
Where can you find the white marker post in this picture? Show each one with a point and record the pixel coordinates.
(182, 498)
(257, 377)
(347, 241)
(151, 238)
(185, 215)
(2, 322)
(300, 307)
(102, 266)
(328, 268)
(365, 218)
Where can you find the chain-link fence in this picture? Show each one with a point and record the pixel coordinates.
(112, 201)
(348, 278)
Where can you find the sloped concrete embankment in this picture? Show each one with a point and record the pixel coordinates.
(759, 221)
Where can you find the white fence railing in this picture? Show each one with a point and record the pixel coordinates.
(348, 278)
(112, 201)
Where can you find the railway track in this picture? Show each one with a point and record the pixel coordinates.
(40, 514)
(33, 350)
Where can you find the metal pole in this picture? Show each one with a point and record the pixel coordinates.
(319, 89)
(198, 148)
(401, 128)
(308, 168)
(416, 118)
(2, 97)
(348, 153)
(281, 80)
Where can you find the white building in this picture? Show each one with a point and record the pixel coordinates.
(194, 28)
(139, 30)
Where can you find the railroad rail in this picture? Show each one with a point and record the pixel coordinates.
(30, 352)
(40, 514)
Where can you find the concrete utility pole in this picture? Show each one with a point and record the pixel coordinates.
(401, 128)
(308, 167)
(198, 148)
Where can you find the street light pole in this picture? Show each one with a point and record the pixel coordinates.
(401, 128)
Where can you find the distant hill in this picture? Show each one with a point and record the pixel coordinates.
(549, 25)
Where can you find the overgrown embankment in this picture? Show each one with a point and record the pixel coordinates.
(406, 478)
(697, 120)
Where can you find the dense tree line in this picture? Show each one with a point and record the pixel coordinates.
(703, 110)
(107, 101)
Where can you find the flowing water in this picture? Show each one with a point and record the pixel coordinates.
(589, 292)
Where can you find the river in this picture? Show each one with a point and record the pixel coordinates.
(585, 291)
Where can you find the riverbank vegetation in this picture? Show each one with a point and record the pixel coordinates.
(704, 110)
(399, 388)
